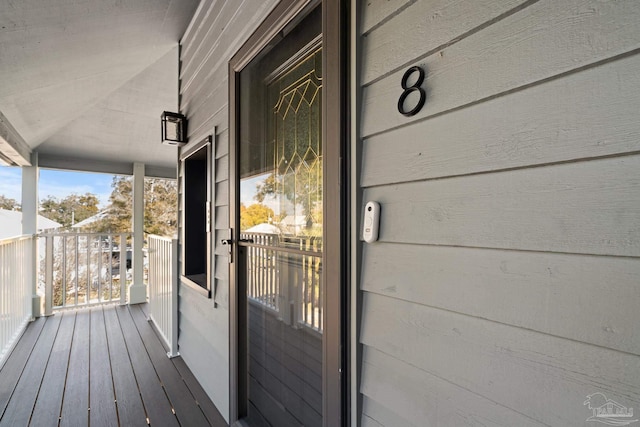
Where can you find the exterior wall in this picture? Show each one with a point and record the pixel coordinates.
(217, 31)
(505, 285)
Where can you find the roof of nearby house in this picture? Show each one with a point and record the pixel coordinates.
(290, 220)
(88, 221)
(263, 228)
(11, 223)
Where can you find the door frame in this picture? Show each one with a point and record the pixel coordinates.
(336, 231)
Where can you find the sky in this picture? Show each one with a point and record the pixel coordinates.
(58, 184)
(61, 184)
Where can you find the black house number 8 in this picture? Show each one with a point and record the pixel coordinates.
(410, 89)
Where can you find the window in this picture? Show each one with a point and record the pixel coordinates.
(196, 215)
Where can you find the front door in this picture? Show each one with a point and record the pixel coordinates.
(279, 213)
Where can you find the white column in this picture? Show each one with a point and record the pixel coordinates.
(30, 176)
(138, 290)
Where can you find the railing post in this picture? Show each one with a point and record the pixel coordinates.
(48, 290)
(173, 350)
(123, 269)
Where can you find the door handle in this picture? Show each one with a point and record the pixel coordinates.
(230, 242)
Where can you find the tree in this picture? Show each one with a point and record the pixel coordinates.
(301, 184)
(254, 214)
(160, 212)
(70, 210)
(9, 204)
(160, 206)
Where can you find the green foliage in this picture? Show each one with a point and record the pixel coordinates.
(70, 210)
(160, 213)
(9, 204)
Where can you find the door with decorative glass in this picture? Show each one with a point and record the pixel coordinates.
(280, 245)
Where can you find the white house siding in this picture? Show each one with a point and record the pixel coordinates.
(505, 286)
(217, 31)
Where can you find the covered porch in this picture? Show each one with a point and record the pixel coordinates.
(84, 85)
(99, 366)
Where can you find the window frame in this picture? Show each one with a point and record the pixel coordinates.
(186, 153)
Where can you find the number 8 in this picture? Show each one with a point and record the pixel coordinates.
(408, 89)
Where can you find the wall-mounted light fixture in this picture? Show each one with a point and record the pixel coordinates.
(174, 128)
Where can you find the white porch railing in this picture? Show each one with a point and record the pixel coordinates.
(284, 274)
(82, 269)
(163, 289)
(16, 274)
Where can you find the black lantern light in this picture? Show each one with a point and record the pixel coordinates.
(174, 128)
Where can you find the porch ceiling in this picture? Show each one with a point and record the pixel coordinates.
(88, 79)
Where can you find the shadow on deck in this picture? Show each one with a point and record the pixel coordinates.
(103, 366)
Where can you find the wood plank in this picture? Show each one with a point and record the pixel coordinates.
(263, 365)
(193, 36)
(367, 421)
(16, 361)
(240, 20)
(376, 12)
(287, 399)
(144, 308)
(155, 401)
(270, 408)
(186, 409)
(543, 377)
(211, 367)
(255, 417)
(128, 401)
(537, 43)
(291, 359)
(222, 194)
(553, 293)
(218, 17)
(392, 389)
(222, 143)
(75, 404)
(202, 399)
(101, 395)
(375, 414)
(587, 207)
(222, 171)
(196, 310)
(554, 122)
(305, 342)
(48, 405)
(432, 24)
(208, 109)
(20, 407)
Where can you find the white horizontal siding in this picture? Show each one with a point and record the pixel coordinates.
(584, 207)
(215, 34)
(589, 115)
(545, 378)
(546, 39)
(505, 284)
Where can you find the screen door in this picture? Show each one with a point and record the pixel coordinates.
(280, 206)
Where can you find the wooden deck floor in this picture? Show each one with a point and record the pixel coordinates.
(103, 366)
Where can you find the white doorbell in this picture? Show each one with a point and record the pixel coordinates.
(371, 223)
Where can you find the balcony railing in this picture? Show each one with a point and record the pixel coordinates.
(82, 269)
(284, 274)
(16, 274)
(163, 289)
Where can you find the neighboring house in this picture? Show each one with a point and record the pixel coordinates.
(92, 219)
(11, 224)
(293, 224)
